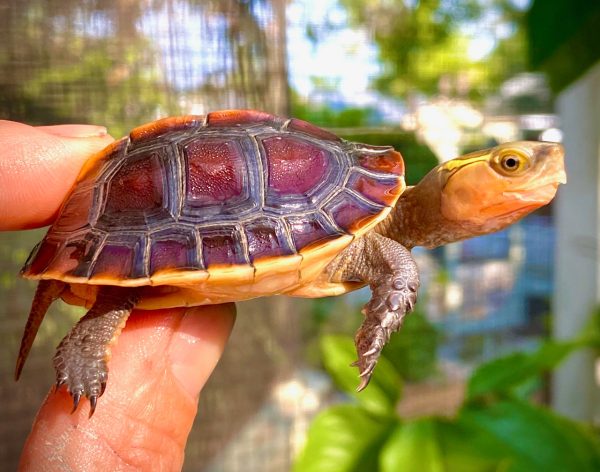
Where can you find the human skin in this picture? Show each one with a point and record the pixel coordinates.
(162, 360)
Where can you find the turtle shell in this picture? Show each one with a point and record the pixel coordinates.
(219, 202)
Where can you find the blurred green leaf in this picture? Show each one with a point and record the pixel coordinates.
(322, 309)
(535, 439)
(505, 374)
(413, 446)
(591, 333)
(413, 350)
(439, 445)
(324, 115)
(384, 389)
(468, 449)
(344, 438)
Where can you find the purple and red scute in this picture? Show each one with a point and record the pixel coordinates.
(382, 191)
(295, 166)
(222, 246)
(137, 186)
(168, 254)
(201, 192)
(266, 238)
(114, 260)
(215, 171)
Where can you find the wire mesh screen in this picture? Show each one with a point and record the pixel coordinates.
(123, 63)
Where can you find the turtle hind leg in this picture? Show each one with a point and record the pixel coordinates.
(46, 293)
(389, 269)
(81, 359)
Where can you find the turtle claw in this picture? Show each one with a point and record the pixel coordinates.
(93, 402)
(370, 353)
(76, 398)
(364, 381)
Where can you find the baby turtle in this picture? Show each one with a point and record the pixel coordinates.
(239, 204)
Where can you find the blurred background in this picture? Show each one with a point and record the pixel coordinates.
(473, 381)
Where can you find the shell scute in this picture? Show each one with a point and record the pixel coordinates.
(295, 166)
(381, 159)
(310, 229)
(137, 187)
(151, 131)
(74, 257)
(222, 245)
(96, 165)
(351, 213)
(266, 238)
(238, 118)
(75, 213)
(121, 256)
(311, 130)
(83, 249)
(41, 256)
(215, 171)
(114, 260)
(173, 252)
(380, 190)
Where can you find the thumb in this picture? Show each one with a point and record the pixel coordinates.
(160, 363)
(38, 166)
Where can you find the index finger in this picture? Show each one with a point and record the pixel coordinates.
(38, 166)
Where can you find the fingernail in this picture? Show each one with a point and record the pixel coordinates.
(198, 343)
(75, 131)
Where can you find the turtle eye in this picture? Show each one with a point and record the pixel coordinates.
(512, 163)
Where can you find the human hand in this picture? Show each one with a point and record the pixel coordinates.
(163, 358)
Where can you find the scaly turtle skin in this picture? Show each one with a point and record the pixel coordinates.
(239, 204)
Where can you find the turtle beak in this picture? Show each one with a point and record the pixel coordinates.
(554, 160)
(548, 173)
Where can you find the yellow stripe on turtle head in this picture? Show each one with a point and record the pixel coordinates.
(459, 162)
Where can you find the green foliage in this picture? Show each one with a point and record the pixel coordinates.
(413, 350)
(410, 444)
(504, 376)
(420, 42)
(498, 427)
(563, 38)
(438, 445)
(323, 115)
(345, 438)
(533, 437)
(384, 388)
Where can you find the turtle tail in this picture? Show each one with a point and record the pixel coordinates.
(47, 291)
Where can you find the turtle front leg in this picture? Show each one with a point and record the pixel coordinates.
(391, 272)
(82, 356)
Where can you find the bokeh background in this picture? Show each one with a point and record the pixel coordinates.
(496, 369)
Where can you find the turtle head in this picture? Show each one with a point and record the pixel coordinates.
(479, 193)
(489, 190)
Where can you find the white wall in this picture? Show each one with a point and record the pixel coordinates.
(575, 391)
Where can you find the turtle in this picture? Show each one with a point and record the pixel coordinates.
(237, 204)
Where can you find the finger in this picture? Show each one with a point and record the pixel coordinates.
(75, 131)
(161, 361)
(38, 166)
